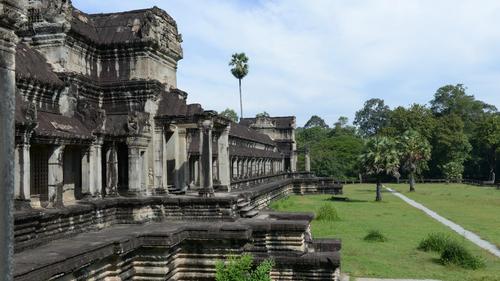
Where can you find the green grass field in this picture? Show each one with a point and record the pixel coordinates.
(404, 227)
(475, 208)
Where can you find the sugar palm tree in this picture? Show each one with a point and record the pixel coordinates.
(239, 62)
(415, 152)
(380, 157)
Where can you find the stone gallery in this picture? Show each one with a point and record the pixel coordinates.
(118, 177)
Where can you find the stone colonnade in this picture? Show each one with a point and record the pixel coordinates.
(243, 167)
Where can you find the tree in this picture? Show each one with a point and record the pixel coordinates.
(315, 121)
(372, 117)
(240, 269)
(488, 136)
(415, 152)
(229, 114)
(417, 117)
(262, 114)
(380, 157)
(239, 62)
(453, 171)
(449, 142)
(453, 99)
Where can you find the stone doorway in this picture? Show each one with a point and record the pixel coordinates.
(39, 170)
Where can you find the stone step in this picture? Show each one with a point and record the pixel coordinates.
(250, 214)
(247, 208)
(242, 204)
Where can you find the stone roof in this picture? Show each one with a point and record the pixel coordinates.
(244, 132)
(282, 122)
(126, 27)
(173, 104)
(56, 125)
(31, 65)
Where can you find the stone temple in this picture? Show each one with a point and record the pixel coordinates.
(118, 177)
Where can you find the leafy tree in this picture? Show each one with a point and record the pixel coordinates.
(262, 114)
(372, 117)
(380, 157)
(488, 136)
(240, 269)
(415, 152)
(417, 117)
(449, 143)
(341, 122)
(453, 99)
(239, 62)
(453, 171)
(315, 121)
(229, 114)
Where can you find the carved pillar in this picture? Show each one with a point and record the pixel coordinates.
(207, 189)
(86, 171)
(22, 184)
(223, 158)
(307, 159)
(55, 187)
(111, 171)
(181, 161)
(135, 174)
(95, 173)
(159, 140)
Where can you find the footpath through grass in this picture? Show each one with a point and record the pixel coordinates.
(401, 224)
(477, 209)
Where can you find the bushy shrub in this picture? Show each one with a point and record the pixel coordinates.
(327, 212)
(455, 253)
(375, 236)
(435, 242)
(240, 269)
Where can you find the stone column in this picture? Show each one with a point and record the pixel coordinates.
(181, 161)
(111, 171)
(95, 174)
(159, 140)
(207, 189)
(11, 17)
(22, 184)
(307, 159)
(223, 158)
(86, 171)
(55, 188)
(134, 170)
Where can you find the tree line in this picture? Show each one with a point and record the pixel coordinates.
(454, 136)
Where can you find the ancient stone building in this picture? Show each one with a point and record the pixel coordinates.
(105, 140)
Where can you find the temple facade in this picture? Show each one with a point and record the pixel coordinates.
(118, 177)
(99, 114)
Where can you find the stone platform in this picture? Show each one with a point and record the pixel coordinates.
(173, 237)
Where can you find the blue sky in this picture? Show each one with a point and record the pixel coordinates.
(327, 57)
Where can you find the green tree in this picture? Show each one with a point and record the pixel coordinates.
(380, 157)
(488, 136)
(239, 62)
(449, 143)
(453, 99)
(315, 121)
(415, 151)
(453, 171)
(229, 114)
(262, 114)
(417, 117)
(240, 269)
(372, 117)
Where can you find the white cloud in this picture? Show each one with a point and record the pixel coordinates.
(326, 57)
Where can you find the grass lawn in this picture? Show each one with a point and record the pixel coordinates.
(404, 227)
(475, 208)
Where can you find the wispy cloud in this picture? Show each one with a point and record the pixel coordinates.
(326, 57)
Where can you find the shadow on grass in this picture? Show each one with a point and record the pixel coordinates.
(345, 200)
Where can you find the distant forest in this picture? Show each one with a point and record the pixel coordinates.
(463, 133)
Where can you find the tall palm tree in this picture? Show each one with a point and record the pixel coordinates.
(380, 157)
(239, 62)
(415, 152)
